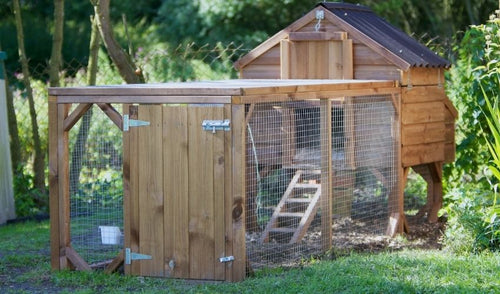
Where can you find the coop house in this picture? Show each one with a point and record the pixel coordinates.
(348, 41)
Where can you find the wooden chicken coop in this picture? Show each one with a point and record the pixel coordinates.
(347, 41)
(183, 168)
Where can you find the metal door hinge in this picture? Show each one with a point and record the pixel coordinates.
(129, 256)
(226, 259)
(128, 123)
(216, 125)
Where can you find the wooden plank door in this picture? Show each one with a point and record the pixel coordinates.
(176, 192)
(313, 59)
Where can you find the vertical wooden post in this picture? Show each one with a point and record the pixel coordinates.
(54, 185)
(285, 59)
(59, 184)
(436, 170)
(326, 173)
(126, 187)
(237, 224)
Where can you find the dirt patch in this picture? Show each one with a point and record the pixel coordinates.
(348, 236)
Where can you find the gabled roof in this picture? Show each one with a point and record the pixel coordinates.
(361, 23)
(365, 20)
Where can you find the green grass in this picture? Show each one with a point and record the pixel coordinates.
(25, 268)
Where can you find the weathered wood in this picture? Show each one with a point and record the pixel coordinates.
(449, 152)
(76, 260)
(151, 202)
(238, 194)
(423, 153)
(417, 113)
(436, 170)
(260, 71)
(219, 180)
(326, 174)
(155, 99)
(73, 118)
(415, 134)
(176, 191)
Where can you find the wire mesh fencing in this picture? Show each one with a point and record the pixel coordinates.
(96, 187)
(287, 151)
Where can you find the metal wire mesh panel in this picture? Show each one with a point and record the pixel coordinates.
(288, 147)
(96, 187)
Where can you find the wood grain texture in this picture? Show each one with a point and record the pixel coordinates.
(54, 185)
(176, 190)
(423, 133)
(151, 205)
(417, 113)
(421, 154)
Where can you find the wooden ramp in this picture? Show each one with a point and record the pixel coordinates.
(296, 209)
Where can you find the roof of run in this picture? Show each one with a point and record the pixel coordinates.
(379, 30)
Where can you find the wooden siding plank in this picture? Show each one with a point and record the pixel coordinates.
(416, 134)
(238, 194)
(376, 72)
(449, 152)
(151, 206)
(335, 59)
(176, 191)
(157, 99)
(228, 192)
(363, 55)
(133, 201)
(420, 94)
(415, 113)
(421, 76)
(271, 57)
(347, 60)
(219, 189)
(422, 154)
(201, 195)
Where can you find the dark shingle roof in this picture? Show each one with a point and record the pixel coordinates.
(399, 43)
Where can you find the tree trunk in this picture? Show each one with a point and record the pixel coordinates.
(123, 62)
(83, 131)
(15, 151)
(39, 156)
(57, 41)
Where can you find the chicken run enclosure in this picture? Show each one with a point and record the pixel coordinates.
(205, 180)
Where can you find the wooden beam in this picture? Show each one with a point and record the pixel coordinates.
(326, 174)
(347, 60)
(112, 113)
(54, 185)
(63, 185)
(317, 36)
(115, 264)
(73, 118)
(76, 260)
(285, 59)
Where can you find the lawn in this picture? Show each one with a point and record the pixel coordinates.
(25, 268)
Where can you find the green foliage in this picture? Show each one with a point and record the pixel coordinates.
(29, 200)
(415, 192)
(474, 52)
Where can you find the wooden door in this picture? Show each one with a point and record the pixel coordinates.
(174, 203)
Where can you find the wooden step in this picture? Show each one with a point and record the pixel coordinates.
(307, 185)
(290, 214)
(298, 200)
(282, 230)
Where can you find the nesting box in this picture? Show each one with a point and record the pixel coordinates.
(347, 41)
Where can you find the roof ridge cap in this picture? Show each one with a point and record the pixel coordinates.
(349, 6)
